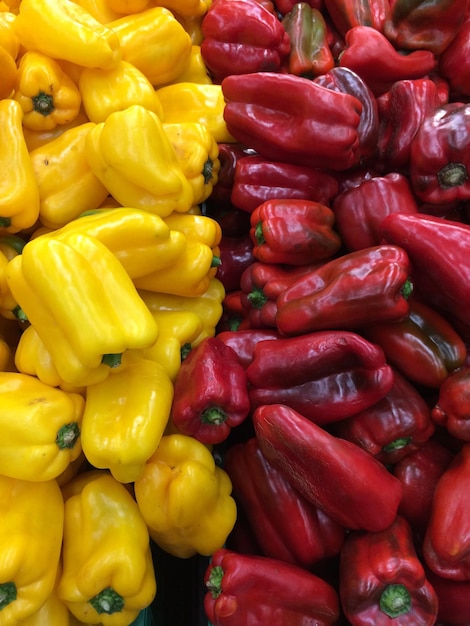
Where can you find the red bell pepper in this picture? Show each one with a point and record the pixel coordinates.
(424, 25)
(286, 525)
(236, 254)
(346, 14)
(242, 36)
(359, 210)
(257, 590)
(452, 409)
(454, 62)
(210, 392)
(392, 428)
(452, 595)
(288, 118)
(293, 232)
(382, 580)
(371, 55)
(440, 155)
(284, 6)
(257, 179)
(423, 346)
(446, 545)
(439, 250)
(234, 315)
(343, 480)
(310, 54)
(348, 292)
(243, 341)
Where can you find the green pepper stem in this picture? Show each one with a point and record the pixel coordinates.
(214, 583)
(395, 601)
(20, 314)
(207, 171)
(256, 298)
(7, 594)
(407, 289)
(213, 415)
(398, 444)
(452, 175)
(185, 350)
(5, 222)
(216, 261)
(43, 103)
(14, 242)
(259, 236)
(107, 601)
(113, 360)
(67, 436)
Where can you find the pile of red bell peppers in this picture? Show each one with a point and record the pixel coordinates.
(338, 385)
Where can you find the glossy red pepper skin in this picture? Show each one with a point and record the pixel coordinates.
(243, 341)
(439, 250)
(346, 482)
(210, 392)
(440, 155)
(392, 428)
(446, 545)
(382, 580)
(234, 315)
(452, 409)
(289, 119)
(454, 607)
(346, 14)
(286, 526)
(359, 210)
(293, 232)
(257, 590)
(242, 36)
(371, 55)
(423, 346)
(257, 179)
(236, 254)
(348, 292)
(284, 6)
(424, 25)
(454, 62)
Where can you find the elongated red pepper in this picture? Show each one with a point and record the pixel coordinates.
(287, 118)
(242, 36)
(452, 409)
(346, 14)
(382, 580)
(258, 590)
(371, 55)
(339, 477)
(454, 62)
(348, 292)
(286, 525)
(210, 392)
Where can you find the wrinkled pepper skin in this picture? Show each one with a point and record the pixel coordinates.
(454, 63)
(285, 594)
(347, 483)
(185, 498)
(242, 36)
(452, 409)
(348, 292)
(30, 540)
(345, 15)
(288, 118)
(210, 392)
(383, 580)
(243, 341)
(446, 545)
(286, 525)
(293, 232)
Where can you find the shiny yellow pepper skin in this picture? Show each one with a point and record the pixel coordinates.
(196, 228)
(85, 322)
(190, 8)
(99, 9)
(132, 156)
(196, 70)
(19, 193)
(127, 7)
(30, 543)
(40, 428)
(10, 246)
(108, 576)
(185, 498)
(9, 48)
(52, 613)
(47, 95)
(38, 138)
(125, 417)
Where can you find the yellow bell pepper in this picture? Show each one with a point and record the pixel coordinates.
(5, 355)
(125, 417)
(106, 91)
(132, 156)
(67, 184)
(198, 155)
(99, 9)
(63, 29)
(154, 42)
(194, 102)
(108, 576)
(185, 498)
(38, 138)
(8, 37)
(191, 8)
(129, 6)
(46, 94)
(13, 5)
(19, 193)
(196, 70)
(52, 613)
(10, 246)
(31, 532)
(196, 228)
(82, 304)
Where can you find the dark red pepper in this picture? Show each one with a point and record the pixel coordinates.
(453, 595)
(452, 409)
(454, 62)
(234, 315)
(243, 341)
(236, 254)
(346, 14)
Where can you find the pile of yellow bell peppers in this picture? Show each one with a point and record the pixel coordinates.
(109, 133)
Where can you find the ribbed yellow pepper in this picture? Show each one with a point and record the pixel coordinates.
(99, 9)
(8, 73)
(31, 532)
(82, 303)
(108, 576)
(132, 156)
(196, 70)
(67, 184)
(10, 246)
(106, 91)
(155, 43)
(63, 29)
(8, 36)
(198, 155)
(38, 138)
(19, 193)
(52, 613)
(196, 228)
(47, 95)
(195, 511)
(40, 427)
(195, 102)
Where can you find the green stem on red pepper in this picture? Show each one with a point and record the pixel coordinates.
(452, 175)
(395, 601)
